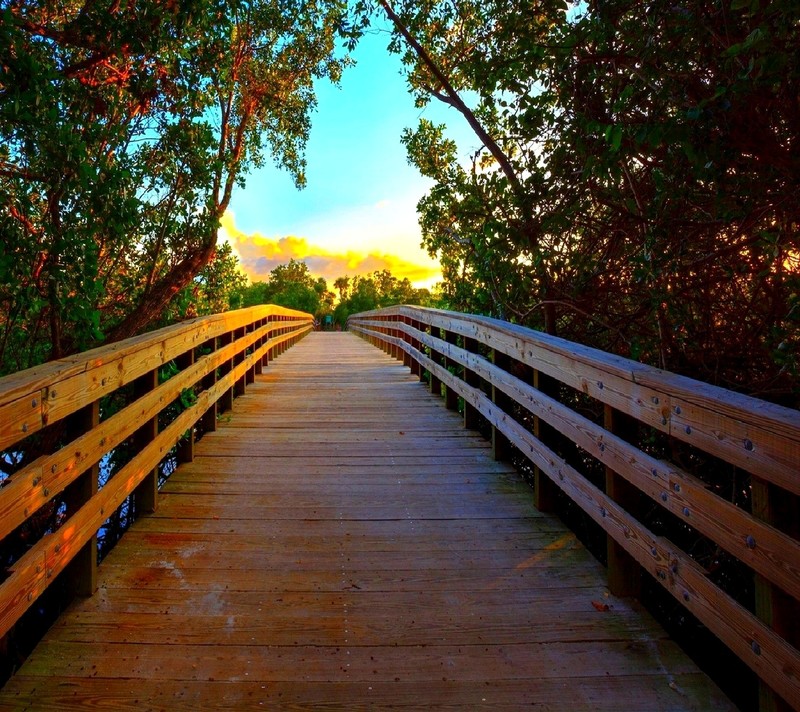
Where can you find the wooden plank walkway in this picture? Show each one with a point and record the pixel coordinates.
(342, 542)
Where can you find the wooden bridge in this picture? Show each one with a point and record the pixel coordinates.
(338, 539)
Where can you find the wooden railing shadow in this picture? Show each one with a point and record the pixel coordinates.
(55, 437)
(533, 391)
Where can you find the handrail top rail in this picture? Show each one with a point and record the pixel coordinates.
(17, 385)
(620, 474)
(215, 357)
(779, 419)
(32, 399)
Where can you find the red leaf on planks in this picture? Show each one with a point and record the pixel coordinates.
(600, 606)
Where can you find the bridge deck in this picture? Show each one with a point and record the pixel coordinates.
(340, 541)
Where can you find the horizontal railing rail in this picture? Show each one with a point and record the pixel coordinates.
(512, 376)
(213, 360)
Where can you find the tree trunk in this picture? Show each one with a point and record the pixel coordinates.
(452, 98)
(157, 299)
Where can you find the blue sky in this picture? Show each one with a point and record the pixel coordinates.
(357, 212)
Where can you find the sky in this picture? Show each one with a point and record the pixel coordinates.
(357, 213)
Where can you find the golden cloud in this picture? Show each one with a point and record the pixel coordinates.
(259, 255)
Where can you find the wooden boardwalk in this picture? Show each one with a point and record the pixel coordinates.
(341, 542)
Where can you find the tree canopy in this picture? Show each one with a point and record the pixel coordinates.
(374, 291)
(293, 286)
(634, 185)
(123, 131)
(636, 178)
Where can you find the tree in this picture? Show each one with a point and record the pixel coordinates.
(436, 71)
(380, 289)
(292, 286)
(342, 285)
(123, 134)
(262, 86)
(657, 145)
(217, 288)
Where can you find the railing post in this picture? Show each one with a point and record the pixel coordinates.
(81, 573)
(239, 385)
(624, 572)
(146, 493)
(434, 383)
(385, 346)
(262, 341)
(544, 490)
(209, 418)
(250, 374)
(501, 447)
(275, 351)
(407, 360)
(471, 414)
(258, 365)
(395, 349)
(450, 394)
(225, 401)
(777, 609)
(270, 334)
(186, 445)
(282, 331)
(416, 366)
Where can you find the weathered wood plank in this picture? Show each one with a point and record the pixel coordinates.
(345, 659)
(652, 694)
(776, 556)
(293, 565)
(775, 660)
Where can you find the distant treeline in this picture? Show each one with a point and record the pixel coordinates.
(292, 285)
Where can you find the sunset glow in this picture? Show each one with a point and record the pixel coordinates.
(259, 254)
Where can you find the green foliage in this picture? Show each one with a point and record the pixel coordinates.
(640, 193)
(291, 286)
(380, 289)
(123, 132)
(217, 288)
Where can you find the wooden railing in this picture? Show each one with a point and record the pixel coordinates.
(515, 378)
(54, 411)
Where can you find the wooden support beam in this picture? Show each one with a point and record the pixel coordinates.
(185, 445)
(241, 383)
(450, 394)
(250, 376)
(407, 360)
(624, 572)
(545, 491)
(259, 364)
(283, 345)
(80, 575)
(394, 350)
(416, 367)
(774, 606)
(209, 419)
(264, 340)
(434, 384)
(471, 414)
(501, 447)
(146, 493)
(225, 401)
